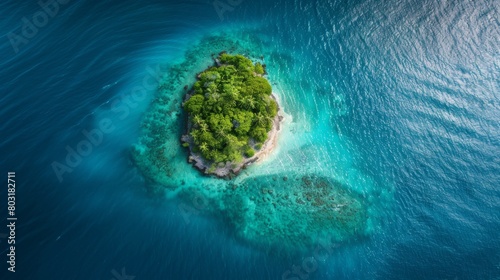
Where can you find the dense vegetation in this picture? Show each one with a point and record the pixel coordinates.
(230, 110)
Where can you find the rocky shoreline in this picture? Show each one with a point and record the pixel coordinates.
(230, 169)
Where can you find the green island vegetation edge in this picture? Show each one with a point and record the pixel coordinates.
(232, 116)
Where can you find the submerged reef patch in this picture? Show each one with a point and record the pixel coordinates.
(293, 213)
(285, 212)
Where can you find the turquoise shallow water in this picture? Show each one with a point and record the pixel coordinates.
(395, 101)
(261, 205)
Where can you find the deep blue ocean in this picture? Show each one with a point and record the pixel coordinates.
(400, 97)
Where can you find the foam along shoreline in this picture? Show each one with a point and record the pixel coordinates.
(229, 169)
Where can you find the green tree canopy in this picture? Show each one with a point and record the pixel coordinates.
(230, 108)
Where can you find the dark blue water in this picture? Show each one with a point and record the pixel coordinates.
(419, 83)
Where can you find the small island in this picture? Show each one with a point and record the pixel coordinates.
(225, 112)
(233, 117)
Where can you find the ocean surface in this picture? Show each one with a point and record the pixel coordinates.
(397, 100)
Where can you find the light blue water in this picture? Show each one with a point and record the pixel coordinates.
(399, 100)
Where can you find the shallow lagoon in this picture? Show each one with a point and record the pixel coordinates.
(289, 201)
